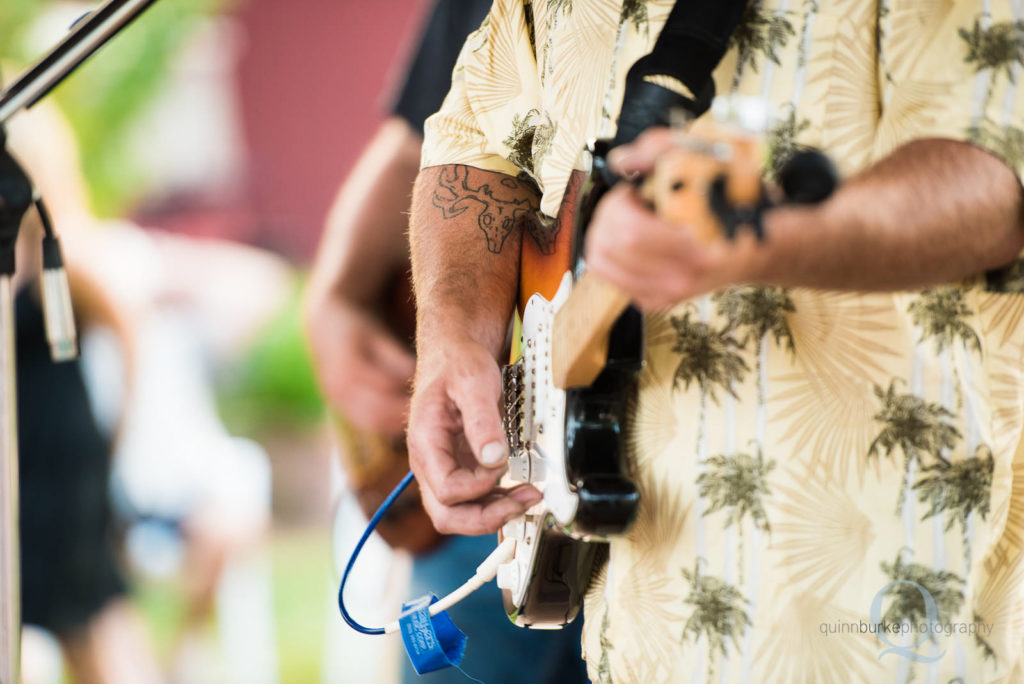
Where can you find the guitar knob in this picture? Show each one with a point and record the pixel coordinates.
(509, 576)
(519, 465)
(514, 529)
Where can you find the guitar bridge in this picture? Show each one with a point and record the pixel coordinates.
(512, 394)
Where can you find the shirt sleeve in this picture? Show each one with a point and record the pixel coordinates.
(428, 75)
(953, 73)
(956, 73)
(455, 134)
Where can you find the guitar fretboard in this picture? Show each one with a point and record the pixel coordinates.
(582, 325)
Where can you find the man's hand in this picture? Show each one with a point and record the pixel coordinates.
(654, 262)
(457, 445)
(365, 373)
(933, 211)
(465, 234)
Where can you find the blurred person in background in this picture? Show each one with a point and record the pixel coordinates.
(360, 321)
(71, 582)
(196, 498)
(152, 309)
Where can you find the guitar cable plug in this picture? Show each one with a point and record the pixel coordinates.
(485, 572)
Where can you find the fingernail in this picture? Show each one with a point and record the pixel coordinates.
(526, 497)
(493, 454)
(618, 156)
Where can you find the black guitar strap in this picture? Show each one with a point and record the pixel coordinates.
(691, 44)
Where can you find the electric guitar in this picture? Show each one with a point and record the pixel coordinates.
(580, 349)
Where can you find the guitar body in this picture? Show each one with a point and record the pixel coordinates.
(375, 463)
(568, 443)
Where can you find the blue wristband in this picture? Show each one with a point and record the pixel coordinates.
(434, 642)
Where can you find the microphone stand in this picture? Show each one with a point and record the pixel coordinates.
(17, 195)
(15, 199)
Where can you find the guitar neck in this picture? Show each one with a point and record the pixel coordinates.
(582, 326)
(678, 191)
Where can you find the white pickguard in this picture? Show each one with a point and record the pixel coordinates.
(541, 462)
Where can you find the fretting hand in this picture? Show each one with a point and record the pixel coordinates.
(655, 262)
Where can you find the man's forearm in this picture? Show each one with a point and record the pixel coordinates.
(934, 211)
(364, 242)
(465, 237)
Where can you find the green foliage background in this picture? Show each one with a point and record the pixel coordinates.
(102, 100)
(273, 386)
(105, 96)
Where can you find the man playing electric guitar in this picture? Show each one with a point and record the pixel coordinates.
(358, 326)
(828, 430)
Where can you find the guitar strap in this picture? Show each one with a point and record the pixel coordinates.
(688, 49)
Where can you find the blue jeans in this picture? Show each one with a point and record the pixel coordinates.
(496, 650)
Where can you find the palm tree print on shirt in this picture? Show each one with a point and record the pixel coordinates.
(758, 312)
(914, 426)
(737, 484)
(1006, 142)
(782, 143)
(560, 6)
(759, 32)
(708, 357)
(958, 490)
(604, 668)
(810, 8)
(907, 603)
(636, 12)
(719, 614)
(940, 313)
(998, 48)
(530, 140)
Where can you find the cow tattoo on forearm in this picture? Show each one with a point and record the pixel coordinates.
(496, 217)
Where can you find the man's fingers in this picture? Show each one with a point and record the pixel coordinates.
(379, 412)
(392, 358)
(450, 482)
(640, 156)
(363, 372)
(647, 292)
(476, 392)
(625, 230)
(483, 516)
(362, 390)
(434, 442)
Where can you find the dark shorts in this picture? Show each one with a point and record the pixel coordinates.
(68, 565)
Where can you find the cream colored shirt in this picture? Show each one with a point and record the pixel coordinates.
(797, 451)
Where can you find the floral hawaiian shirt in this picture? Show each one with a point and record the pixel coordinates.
(832, 482)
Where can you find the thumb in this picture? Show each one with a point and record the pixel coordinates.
(393, 358)
(477, 394)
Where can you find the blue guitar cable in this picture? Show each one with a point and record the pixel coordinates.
(359, 547)
(485, 572)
